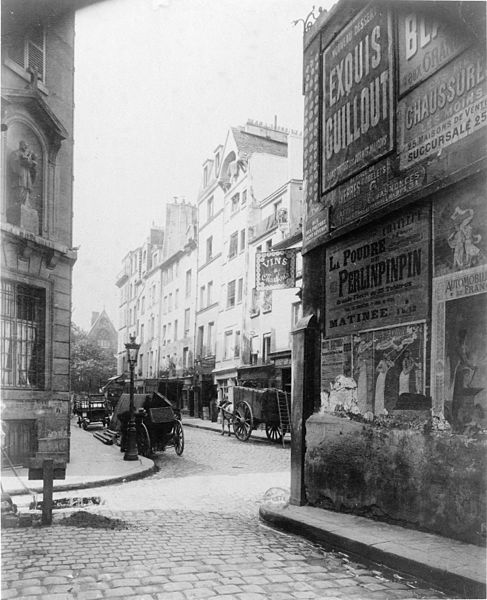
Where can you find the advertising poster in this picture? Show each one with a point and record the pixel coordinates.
(426, 44)
(357, 96)
(335, 360)
(459, 348)
(448, 107)
(379, 276)
(371, 189)
(388, 367)
(275, 270)
(460, 229)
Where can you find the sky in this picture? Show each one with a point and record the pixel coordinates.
(157, 85)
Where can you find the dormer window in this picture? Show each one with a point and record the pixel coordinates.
(29, 52)
(217, 163)
(206, 175)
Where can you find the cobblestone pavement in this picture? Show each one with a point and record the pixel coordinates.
(190, 531)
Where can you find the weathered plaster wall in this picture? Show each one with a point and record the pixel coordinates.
(426, 480)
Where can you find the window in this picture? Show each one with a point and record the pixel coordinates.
(233, 247)
(266, 301)
(231, 294)
(209, 208)
(211, 338)
(206, 175)
(185, 357)
(277, 206)
(209, 299)
(240, 290)
(268, 246)
(227, 344)
(176, 298)
(199, 341)
(169, 303)
(235, 202)
(254, 350)
(242, 240)
(175, 330)
(164, 335)
(259, 249)
(164, 305)
(29, 51)
(209, 248)
(295, 313)
(188, 283)
(169, 338)
(202, 296)
(142, 334)
(186, 321)
(142, 306)
(236, 351)
(244, 197)
(266, 347)
(217, 163)
(23, 322)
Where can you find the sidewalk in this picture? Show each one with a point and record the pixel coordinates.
(257, 435)
(442, 562)
(92, 464)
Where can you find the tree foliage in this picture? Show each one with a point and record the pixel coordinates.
(91, 365)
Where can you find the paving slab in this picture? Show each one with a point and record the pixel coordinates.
(442, 562)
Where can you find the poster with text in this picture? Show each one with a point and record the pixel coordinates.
(379, 276)
(357, 96)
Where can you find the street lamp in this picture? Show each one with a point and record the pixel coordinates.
(131, 443)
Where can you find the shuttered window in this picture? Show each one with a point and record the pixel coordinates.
(30, 52)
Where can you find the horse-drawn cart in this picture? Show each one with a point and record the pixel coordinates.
(269, 407)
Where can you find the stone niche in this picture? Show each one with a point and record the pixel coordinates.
(429, 480)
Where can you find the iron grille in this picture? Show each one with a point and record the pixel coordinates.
(22, 335)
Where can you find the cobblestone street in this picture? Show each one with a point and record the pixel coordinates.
(189, 531)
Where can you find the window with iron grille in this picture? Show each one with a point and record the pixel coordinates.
(23, 335)
(29, 52)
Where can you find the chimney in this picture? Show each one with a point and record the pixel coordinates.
(94, 317)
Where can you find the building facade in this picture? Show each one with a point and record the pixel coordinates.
(392, 373)
(37, 257)
(103, 333)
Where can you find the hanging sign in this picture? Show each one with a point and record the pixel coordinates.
(275, 270)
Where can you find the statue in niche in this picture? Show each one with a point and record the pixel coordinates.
(23, 171)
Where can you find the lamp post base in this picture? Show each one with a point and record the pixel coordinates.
(131, 451)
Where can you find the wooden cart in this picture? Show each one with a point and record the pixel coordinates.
(269, 407)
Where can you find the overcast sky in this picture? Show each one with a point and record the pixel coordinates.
(157, 84)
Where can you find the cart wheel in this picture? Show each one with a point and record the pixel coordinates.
(178, 437)
(143, 441)
(243, 422)
(85, 425)
(273, 433)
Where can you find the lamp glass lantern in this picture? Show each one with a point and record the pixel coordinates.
(132, 351)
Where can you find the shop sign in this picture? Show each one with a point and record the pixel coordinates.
(459, 339)
(448, 107)
(380, 276)
(460, 222)
(371, 189)
(357, 96)
(275, 270)
(426, 44)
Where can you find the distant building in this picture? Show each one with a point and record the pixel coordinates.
(103, 332)
(36, 215)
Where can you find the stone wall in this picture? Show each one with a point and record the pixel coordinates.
(429, 480)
